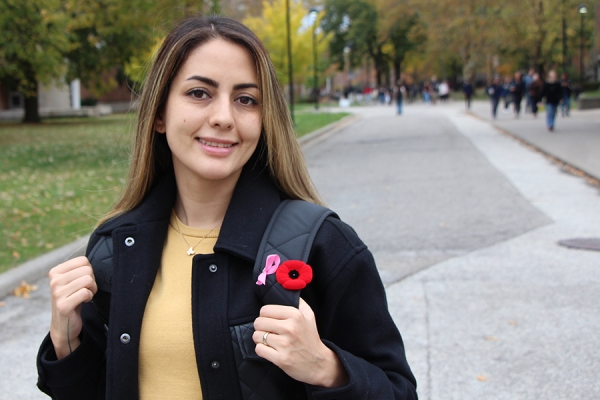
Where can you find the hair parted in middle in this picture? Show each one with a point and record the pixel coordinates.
(151, 154)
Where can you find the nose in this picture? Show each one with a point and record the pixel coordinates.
(221, 113)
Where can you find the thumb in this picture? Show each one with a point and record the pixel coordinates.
(306, 310)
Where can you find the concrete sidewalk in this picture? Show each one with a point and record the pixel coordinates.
(518, 319)
(575, 140)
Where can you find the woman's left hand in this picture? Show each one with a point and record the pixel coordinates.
(294, 345)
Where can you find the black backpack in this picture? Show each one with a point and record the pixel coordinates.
(290, 234)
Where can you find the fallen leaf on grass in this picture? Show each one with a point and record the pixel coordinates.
(481, 378)
(23, 290)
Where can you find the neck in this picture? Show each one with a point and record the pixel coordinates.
(201, 204)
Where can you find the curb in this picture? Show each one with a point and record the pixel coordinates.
(37, 268)
(331, 128)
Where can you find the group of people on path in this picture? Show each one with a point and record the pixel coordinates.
(431, 91)
(534, 89)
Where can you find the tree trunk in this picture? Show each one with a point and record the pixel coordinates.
(396, 70)
(30, 92)
(32, 114)
(380, 66)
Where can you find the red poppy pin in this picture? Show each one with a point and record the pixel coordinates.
(294, 274)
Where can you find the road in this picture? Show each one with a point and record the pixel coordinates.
(463, 222)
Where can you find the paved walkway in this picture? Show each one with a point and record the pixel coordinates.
(518, 319)
(575, 140)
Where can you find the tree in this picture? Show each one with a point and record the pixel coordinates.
(537, 30)
(106, 35)
(32, 46)
(355, 28)
(403, 28)
(270, 27)
(48, 40)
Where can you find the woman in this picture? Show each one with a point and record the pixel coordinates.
(215, 153)
(535, 93)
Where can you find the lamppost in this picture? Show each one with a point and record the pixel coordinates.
(314, 14)
(564, 39)
(582, 11)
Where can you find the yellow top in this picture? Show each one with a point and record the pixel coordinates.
(167, 363)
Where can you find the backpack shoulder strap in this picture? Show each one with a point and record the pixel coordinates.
(101, 260)
(290, 235)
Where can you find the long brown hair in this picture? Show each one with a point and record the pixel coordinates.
(151, 154)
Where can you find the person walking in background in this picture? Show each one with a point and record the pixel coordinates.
(444, 91)
(552, 91)
(381, 95)
(506, 94)
(535, 93)
(400, 92)
(434, 89)
(494, 90)
(517, 89)
(468, 93)
(565, 104)
(426, 92)
(527, 80)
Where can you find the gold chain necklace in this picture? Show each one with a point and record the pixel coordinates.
(191, 251)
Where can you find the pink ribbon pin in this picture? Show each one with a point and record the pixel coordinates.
(271, 266)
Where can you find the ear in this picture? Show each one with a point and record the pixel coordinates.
(159, 124)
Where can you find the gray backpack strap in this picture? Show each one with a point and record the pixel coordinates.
(290, 234)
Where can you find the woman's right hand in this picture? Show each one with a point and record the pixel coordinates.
(71, 284)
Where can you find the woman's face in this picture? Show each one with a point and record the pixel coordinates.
(212, 117)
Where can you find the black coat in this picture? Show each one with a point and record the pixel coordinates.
(346, 294)
(552, 92)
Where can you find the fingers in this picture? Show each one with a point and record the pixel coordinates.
(288, 337)
(73, 278)
(71, 284)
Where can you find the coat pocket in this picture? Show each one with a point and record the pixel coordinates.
(241, 336)
(259, 379)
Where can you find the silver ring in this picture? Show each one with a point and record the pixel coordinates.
(265, 338)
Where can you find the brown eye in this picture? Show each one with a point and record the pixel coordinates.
(198, 93)
(247, 101)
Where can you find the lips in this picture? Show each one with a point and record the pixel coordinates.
(216, 144)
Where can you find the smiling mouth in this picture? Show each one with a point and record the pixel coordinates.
(215, 144)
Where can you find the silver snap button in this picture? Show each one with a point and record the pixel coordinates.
(129, 242)
(212, 268)
(215, 364)
(125, 338)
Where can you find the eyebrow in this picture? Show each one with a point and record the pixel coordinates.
(215, 84)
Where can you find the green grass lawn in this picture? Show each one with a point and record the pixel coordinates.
(307, 122)
(594, 94)
(56, 179)
(59, 177)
